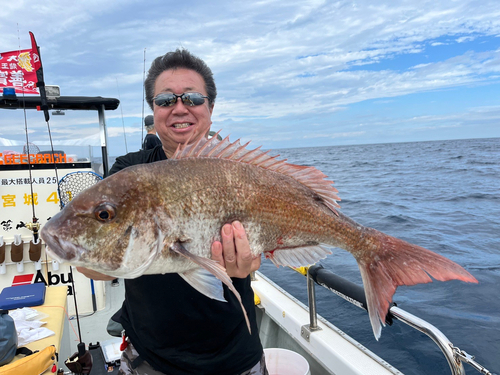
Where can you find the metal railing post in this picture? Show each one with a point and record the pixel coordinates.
(311, 295)
(307, 329)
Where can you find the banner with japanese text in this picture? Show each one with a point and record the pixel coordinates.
(17, 69)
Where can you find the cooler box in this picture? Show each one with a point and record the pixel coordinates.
(28, 295)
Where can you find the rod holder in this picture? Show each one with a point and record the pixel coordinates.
(55, 263)
(3, 269)
(35, 253)
(16, 252)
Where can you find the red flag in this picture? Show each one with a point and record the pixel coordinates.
(34, 51)
(18, 70)
(40, 84)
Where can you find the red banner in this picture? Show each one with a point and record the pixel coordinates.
(18, 70)
(37, 64)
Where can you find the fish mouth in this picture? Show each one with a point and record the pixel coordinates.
(62, 250)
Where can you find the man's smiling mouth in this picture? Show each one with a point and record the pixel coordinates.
(181, 126)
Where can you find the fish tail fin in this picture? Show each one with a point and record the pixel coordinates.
(396, 262)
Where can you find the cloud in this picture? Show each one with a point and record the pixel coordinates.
(272, 60)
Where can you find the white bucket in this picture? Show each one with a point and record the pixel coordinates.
(285, 362)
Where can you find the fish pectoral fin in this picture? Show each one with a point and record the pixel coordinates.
(299, 256)
(213, 268)
(205, 283)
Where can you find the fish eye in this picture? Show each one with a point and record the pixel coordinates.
(105, 212)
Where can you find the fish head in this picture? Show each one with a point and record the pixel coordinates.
(111, 227)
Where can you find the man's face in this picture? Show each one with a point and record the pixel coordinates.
(180, 122)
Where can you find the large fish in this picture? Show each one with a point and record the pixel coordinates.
(163, 217)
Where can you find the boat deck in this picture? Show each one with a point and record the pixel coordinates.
(93, 326)
(280, 318)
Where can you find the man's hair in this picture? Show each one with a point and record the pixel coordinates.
(179, 59)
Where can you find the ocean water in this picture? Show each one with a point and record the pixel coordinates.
(442, 195)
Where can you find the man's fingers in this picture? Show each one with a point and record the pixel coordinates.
(244, 254)
(229, 251)
(233, 252)
(244, 258)
(217, 253)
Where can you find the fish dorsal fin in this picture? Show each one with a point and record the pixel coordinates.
(214, 148)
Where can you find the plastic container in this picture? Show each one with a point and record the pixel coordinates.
(285, 362)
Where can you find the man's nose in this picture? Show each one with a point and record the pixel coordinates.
(179, 107)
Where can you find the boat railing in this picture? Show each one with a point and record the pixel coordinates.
(354, 294)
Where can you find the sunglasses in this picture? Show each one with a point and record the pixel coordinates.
(191, 99)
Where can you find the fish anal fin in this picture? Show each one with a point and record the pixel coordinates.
(298, 256)
(214, 148)
(213, 268)
(397, 262)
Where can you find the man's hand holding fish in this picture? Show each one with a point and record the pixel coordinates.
(234, 253)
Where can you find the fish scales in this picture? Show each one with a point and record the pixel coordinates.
(163, 217)
(271, 206)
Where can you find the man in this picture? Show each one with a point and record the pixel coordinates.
(173, 329)
(151, 140)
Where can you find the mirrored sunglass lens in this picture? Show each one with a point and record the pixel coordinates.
(188, 98)
(193, 98)
(165, 99)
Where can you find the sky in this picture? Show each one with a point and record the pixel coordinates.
(288, 73)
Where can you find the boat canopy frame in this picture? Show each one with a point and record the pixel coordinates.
(60, 103)
(76, 103)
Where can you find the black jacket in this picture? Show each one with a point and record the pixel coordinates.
(150, 141)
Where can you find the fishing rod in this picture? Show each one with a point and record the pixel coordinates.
(35, 245)
(143, 79)
(121, 109)
(81, 361)
(45, 108)
(34, 226)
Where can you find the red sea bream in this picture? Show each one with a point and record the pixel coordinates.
(163, 217)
